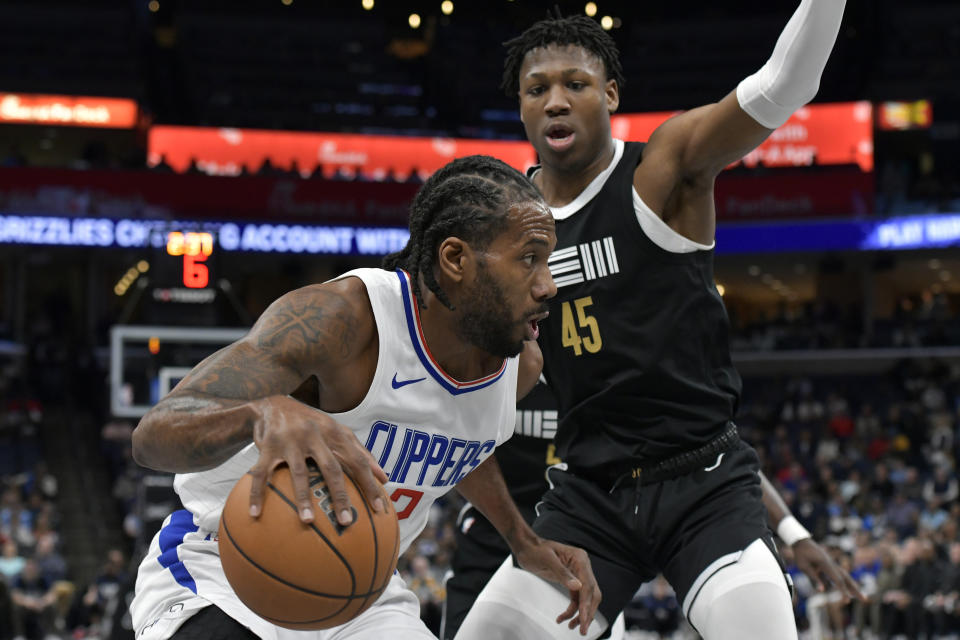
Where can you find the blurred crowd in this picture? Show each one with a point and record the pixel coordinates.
(41, 597)
(922, 320)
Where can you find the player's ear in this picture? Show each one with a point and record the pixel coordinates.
(612, 91)
(453, 257)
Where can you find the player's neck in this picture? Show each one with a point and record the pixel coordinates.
(462, 361)
(561, 185)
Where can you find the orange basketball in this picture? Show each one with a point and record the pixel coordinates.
(302, 576)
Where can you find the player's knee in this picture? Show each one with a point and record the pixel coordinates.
(746, 600)
(757, 611)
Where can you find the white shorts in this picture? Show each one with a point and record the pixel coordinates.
(175, 582)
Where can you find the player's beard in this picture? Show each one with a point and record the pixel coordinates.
(485, 320)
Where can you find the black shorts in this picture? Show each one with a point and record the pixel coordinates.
(478, 554)
(211, 623)
(677, 527)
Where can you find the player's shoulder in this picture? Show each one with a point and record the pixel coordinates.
(338, 311)
(343, 295)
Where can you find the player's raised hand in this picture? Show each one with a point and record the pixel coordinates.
(570, 567)
(292, 433)
(817, 564)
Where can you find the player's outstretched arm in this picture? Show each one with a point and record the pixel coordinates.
(688, 151)
(569, 566)
(240, 395)
(811, 558)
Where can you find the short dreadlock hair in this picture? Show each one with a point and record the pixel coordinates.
(468, 199)
(576, 30)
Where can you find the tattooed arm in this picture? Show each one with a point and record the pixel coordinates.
(241, 395)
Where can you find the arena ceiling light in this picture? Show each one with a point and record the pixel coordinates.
(446, 7)
(414, 20)
(367, 4)
(606, 22)
(590, 9)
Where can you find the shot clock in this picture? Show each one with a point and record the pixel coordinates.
(195, 247)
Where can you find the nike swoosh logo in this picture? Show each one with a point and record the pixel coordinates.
(402, 383)
(719, 460)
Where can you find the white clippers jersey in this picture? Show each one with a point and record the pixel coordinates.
(426, 430)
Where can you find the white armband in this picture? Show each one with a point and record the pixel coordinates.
(791, 531)
(791, 77)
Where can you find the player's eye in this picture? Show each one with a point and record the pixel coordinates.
(535, 90)
(576, 85)
(530, 259)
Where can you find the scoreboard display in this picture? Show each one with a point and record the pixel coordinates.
(195, 247)
(183, 286)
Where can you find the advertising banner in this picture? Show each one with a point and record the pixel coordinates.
(76, 111)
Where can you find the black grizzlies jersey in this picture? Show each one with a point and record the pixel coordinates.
(636, 348)
(524, 458)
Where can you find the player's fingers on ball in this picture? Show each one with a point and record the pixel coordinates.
(371, 487)
(301, 485)
(258, 476)
(336, 485)
(361, 472)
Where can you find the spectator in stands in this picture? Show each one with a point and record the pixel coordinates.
(661, 603)
(267, 168)
(920, 579)
(163, 166)
(11, 562)
(867, 424)
(942, 485)
(294, 170)
(429, 589)
(317, 173)
(902, 515)
(53, 566)
(16, 522)
(945, 604)
(90, 604)
(414, 177)
(932, 517)
(33, 599)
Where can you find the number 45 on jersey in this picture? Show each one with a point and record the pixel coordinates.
(576, 322)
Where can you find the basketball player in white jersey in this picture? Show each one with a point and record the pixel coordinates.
(413, 372)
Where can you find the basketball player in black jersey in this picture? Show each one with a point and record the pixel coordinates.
(655, 477)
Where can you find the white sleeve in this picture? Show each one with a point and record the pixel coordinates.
(791, 77)
(660, 232)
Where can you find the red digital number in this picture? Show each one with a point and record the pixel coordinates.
(195, 274)
(414, 497)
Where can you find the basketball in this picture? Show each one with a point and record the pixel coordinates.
(306, 576)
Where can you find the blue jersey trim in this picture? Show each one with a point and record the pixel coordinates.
(171, 536)
(408, 301)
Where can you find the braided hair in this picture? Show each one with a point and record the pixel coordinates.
(573, 30)
(468, 199)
